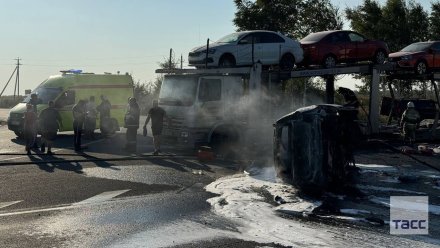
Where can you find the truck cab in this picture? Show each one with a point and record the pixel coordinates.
(202, 109)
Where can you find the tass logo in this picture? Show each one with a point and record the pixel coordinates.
(409, 215)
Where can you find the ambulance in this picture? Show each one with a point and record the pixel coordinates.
(70, 87)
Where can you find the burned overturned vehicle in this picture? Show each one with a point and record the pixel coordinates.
(313, 146)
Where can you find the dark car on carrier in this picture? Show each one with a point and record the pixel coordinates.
(420, 57)
(329, 48)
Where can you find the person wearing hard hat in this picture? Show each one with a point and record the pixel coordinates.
(409, 122)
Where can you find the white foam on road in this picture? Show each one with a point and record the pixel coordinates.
(239, 200)
(173, 234)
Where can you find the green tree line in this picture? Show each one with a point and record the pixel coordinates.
(397, 22)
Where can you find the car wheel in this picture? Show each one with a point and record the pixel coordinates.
(227, 61)
(421, 68)
(379, 57)
(329, 61)
(287, 62)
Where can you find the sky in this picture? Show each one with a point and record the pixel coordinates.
(109, 35)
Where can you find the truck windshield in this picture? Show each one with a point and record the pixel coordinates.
(45, 94)
(178, 91)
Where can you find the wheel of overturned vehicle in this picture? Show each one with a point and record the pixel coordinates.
(19, 134)
(329, 61)
(380, 57)
(287, 62)
(227, 60)
(421, 68)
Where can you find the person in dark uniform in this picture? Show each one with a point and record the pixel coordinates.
(50, 122)
(90, 121)
(157, 115)
(34, 101)
(79, 114)
(104, 115)
(30, 129)
(132, 124)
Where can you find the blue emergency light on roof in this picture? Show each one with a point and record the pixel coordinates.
(73, 71)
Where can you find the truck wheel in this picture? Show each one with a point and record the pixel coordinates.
(224, 144)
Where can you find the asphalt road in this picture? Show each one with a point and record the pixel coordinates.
(106, 197)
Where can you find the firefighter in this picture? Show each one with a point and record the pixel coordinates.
(132, 124)
(409, 123)
(157, 115)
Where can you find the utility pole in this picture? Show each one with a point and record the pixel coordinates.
(17, 78)
(181, 61)
(171, 57)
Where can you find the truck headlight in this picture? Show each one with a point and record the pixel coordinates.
(184, 134)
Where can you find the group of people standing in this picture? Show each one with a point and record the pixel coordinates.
(49, 121)
(85, 114)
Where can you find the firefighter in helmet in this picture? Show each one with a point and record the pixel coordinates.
(409, 123)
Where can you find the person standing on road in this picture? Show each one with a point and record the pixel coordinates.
(30, 129)
(90, 121)
(34, 101)
(409, 122)
(79, 114)
(132, 123)
(157, 115)
(50, 122)
(104, 115)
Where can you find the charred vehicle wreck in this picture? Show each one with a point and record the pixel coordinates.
(313, 146)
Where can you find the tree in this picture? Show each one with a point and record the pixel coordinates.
(295, 18)
(397, 23)
(366, 19)
(434, 21)
(418, 22)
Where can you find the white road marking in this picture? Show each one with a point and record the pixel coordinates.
(105, 196)
(7, 204)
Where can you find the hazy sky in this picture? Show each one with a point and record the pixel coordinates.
(107, 35)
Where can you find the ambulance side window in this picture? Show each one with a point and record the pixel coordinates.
(66, 99)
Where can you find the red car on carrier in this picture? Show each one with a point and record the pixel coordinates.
(420, 57)
(329, 48)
